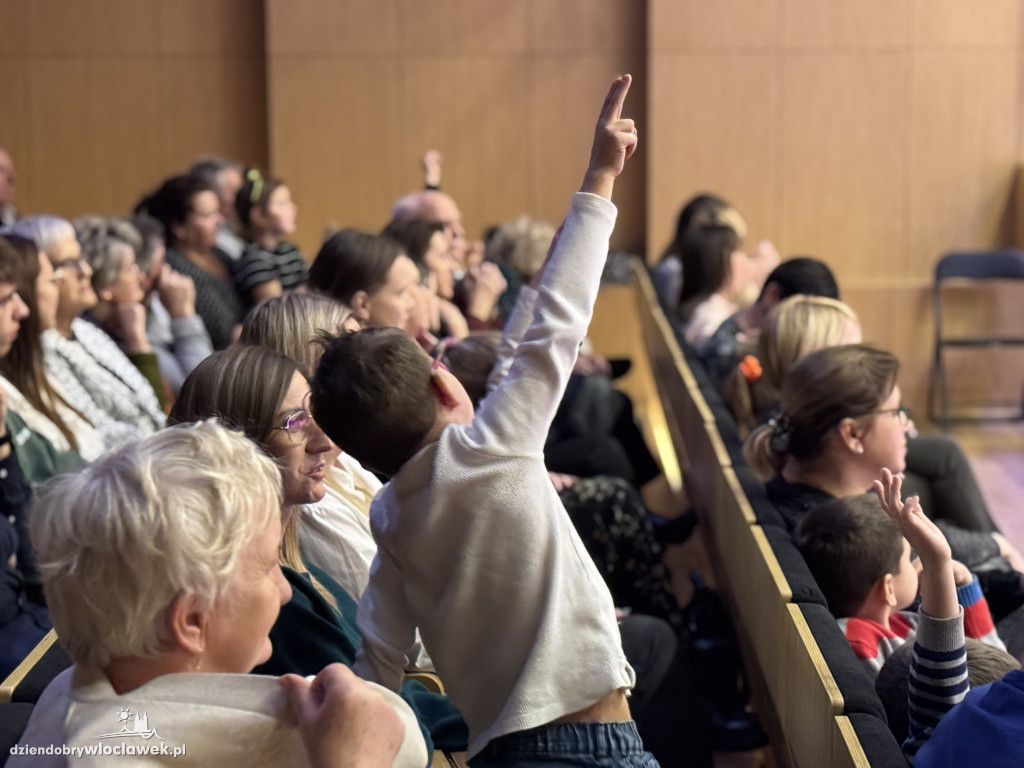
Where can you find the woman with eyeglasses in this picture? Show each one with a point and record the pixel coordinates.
(270, 265)
(839, 422)
(264, 394)
(82, 364)
(189, 210)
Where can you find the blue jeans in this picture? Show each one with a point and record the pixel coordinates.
(603, 745)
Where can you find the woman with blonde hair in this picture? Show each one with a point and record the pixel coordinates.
(159, 563)
(793, 329)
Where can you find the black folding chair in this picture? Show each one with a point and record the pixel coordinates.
(1006, 264)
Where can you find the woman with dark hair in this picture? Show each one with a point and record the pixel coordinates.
(714, 273)
(371, 274)
(263, 393)
(270, 264)
(189, 211)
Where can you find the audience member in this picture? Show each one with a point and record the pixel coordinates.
(369, 273)
(714, 272)
(840, 422)
(160, 570)
(109, 246)
(803, 275)
(176, 333)
(189, 211)
(863, 566)
(224, 177)
(270, 264)
(52, 436)
(444, 492)
(264, 394)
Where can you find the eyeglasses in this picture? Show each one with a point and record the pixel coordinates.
(296, 426)
(61, 268)
(902, 413)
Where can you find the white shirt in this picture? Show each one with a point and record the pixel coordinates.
(476, 549)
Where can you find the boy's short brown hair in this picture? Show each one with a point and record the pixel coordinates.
(849, 544)
(372, 396)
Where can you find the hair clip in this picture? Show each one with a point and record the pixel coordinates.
(256, 179)
(782, 431)
(751, 369)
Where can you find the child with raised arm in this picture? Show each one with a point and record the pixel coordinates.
(938, 670)
(475, 548)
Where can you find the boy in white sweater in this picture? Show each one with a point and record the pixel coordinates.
(475, 548)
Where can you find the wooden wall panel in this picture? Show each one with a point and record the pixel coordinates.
(103, 99)
(844, 177)
(695, 25)
(963, 147)
(503, 89)
(844, 24)
(897, 136)
(712, 127)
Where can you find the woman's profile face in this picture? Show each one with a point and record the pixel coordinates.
(202, 222)
(885, 440)
(389, 306)
(302, 454)
(237, 637)
(76, 292)
(282, 212)
(127, 287)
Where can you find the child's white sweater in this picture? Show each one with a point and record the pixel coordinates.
(475, 547)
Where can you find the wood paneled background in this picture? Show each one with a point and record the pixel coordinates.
(875, 134)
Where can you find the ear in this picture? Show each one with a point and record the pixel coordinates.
(178, 230)
(186, 624)
(258, 217)
(886, 587)
(107, 295)
(360, 304)
(851, 435)
(771, 295)
(441, 383)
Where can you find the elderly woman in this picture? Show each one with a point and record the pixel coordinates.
(160, 569)
(265, 395)
(83, 363)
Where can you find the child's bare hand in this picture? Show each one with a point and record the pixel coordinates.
(924, 536)
(614, 142)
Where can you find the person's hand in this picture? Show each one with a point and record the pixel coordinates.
(344, 722)
(177, 293)
(474, 253)
(484, 285)
(962, 575)
(938, 589)
(432, 169)
(1010, 552)
(562, 482)
(763, 260)
(131, 319)
(592, 365)
(615, 142)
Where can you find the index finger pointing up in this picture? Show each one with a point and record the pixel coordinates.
(612, 109)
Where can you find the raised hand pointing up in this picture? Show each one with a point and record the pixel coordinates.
(614, 142)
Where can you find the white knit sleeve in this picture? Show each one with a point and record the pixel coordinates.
(389, 631)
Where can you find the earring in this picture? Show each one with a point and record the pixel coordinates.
(859, 449)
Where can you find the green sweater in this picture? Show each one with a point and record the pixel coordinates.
(310, 634)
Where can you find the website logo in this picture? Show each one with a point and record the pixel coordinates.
(140, 727)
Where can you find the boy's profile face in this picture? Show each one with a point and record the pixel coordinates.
(905, 581)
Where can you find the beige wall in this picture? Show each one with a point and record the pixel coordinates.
(875, 134)
(508, 90)
(103, 98)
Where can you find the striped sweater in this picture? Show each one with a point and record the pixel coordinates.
(874, 643)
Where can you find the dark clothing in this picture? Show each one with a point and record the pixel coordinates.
(217, 302)
(720, 352)
(310, 634)
(22, 624)
(258, 265)
(794, 500)
(611, 520)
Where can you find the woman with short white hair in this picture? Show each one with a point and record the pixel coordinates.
(160, 567)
